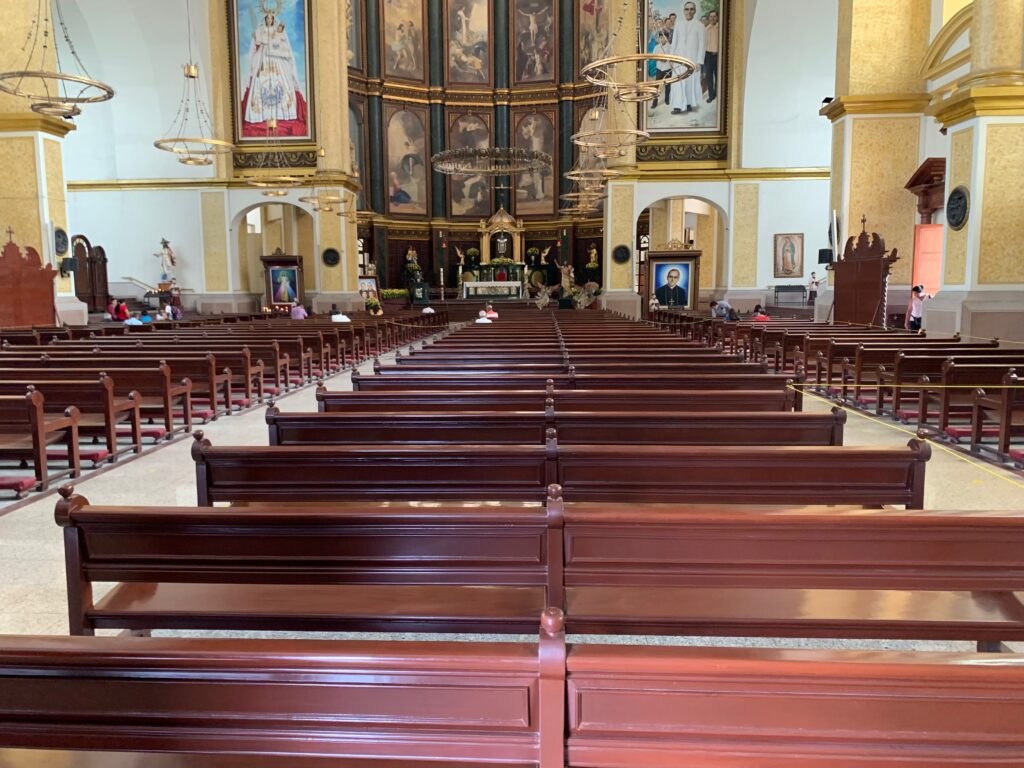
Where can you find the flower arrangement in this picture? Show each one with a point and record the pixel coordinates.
(533, 252)
(394, 293)
(473, 253)
(502, 260)
(372, 305)
(413, 266)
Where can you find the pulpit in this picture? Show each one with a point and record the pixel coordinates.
(862, 279)
(28, 286)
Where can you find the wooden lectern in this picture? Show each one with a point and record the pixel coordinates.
(862, 278)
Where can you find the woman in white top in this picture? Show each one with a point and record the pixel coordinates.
(915, 310)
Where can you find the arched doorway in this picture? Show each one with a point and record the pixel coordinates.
(263, 228)
(687, 222)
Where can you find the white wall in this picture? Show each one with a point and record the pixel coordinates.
(791, 67)
(129, 226)
(796, 206)
(138, 48)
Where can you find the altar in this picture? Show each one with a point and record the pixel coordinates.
(490, 288)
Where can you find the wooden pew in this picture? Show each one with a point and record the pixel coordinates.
(160, 396)
(636, 706)
(656, 400)
(953, 392)
(100, 412)
(616, 568)
(1003, 405)
(573, 427)
(771, 474)
(348, 703)
(25, 434)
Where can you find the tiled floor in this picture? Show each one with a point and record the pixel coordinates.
(32, 593)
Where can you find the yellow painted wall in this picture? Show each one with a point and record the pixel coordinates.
(620, 204)
(19, 193)
(952, 7)
(881, 46)
(215, 242)
(884, 156)
(961, 161)
(746, 204)
(307, 248)
(1002, 226)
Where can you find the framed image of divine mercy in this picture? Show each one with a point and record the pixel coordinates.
(272, 77)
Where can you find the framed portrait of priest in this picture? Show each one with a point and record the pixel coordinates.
(673, 278)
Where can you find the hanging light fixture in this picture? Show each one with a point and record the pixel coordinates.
(190, 136)
(324, 202)
(275, 183)
(52, 92)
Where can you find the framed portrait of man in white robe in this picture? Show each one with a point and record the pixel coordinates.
(695, 30)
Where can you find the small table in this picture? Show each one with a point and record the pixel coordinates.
(802, 290)
(492, 288)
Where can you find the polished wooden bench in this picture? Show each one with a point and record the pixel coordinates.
(1002, 405)
(632, 706)
(675, 427)
(390, 704)
(685, 569)
(100, 411)
(952, 392)
(652, 400)
(26, 432)
(650, 473)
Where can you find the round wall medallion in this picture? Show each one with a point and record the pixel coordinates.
(621, 254)
(331, 257)
(60, 241)
(958, 208)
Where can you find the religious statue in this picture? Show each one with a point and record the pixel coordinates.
(568, 280)
(502, 246)
(167, 260)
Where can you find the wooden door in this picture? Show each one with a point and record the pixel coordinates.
(80, 251)
(98, 278)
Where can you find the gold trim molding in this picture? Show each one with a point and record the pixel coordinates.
(676, 172)
(30, 122)
(935, 63)
(983, 101)
(113, 185)
(895, 104)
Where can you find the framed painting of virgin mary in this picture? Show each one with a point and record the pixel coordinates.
(272, 74)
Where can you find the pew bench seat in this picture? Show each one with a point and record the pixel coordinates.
(822, 613)
(320, 607)
(593, 609)
(82, 758)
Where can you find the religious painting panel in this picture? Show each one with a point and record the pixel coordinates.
(354, 26)
(403, 32)
(695, 30)
(357, 146)
(284, 285)
(469, 196)
(536, 192)
(673, 279)
(468, 37)
(789, 255)
(405, 148)
(272, 71)
(534, 41)
(594, 23)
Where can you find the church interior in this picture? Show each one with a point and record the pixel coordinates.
(511, 383)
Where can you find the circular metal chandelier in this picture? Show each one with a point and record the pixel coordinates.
(490, 161)
(54, 93)
(190, 137)
(599, 73)
(276, 183)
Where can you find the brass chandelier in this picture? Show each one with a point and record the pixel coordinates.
(324, 202)
(190, 136)
(490, 161)
(273, 181)
(52, 92)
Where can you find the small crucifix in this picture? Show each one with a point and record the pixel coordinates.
(864, 223)
(10, 234)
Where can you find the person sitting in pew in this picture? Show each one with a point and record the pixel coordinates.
(145, 317)
(133, 320)
(337, 316)
(760, 316)
(428, 311)
(298, 312)
(483, 318)
(720, 309)
(491, 313)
